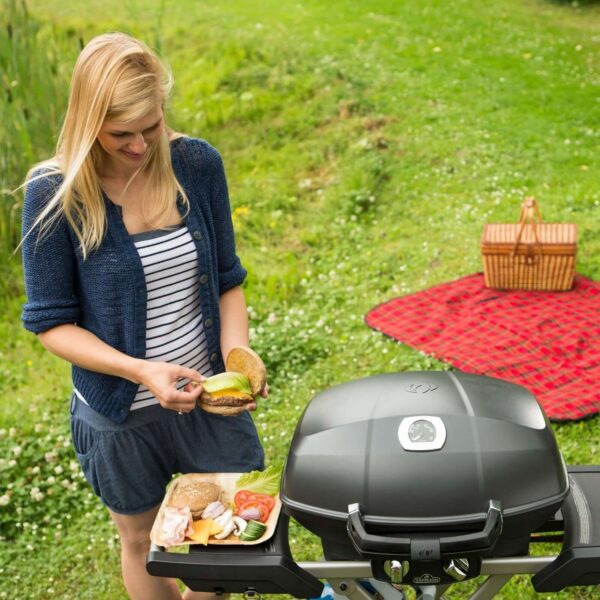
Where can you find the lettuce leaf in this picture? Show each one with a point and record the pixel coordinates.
(229, 380)
(181, 549)
(261, 482)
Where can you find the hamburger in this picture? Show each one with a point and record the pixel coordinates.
(230, 392)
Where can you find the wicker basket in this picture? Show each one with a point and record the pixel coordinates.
(530, 254)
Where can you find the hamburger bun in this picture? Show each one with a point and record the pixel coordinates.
(242, 359)
(223, 409)
(196, 493)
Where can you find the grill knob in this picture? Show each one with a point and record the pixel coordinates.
(457, 568)
(396, 570)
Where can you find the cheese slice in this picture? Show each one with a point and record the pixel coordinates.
(202, 530)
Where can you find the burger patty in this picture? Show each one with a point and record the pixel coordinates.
(225, 400)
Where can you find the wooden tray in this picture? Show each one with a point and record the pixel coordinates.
(227, 483)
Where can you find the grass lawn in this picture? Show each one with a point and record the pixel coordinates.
(366, 144)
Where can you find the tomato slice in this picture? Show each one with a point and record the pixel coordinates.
(241, 497)
(244, 496)
(267, 500)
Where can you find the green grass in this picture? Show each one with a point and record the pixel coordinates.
(366, 144)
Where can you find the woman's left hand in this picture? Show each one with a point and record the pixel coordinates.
(264, 393)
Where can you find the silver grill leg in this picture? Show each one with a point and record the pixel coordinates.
(490, 587)
(431, 592)
(351, 588)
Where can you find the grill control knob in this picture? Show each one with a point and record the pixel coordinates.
(396, 570)
(457, 568)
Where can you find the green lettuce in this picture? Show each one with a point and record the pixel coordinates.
(227, 381)
(182, 549)
(261, 482)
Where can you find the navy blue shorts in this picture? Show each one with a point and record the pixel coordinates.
(130, 464)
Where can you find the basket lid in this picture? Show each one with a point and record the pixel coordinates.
(554, 238)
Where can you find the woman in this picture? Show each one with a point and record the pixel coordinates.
(131, 275)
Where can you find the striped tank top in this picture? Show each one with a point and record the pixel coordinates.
(174, 324)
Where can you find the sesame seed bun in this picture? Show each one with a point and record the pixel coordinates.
(194, 492)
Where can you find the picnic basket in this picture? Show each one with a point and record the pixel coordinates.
(530, 254)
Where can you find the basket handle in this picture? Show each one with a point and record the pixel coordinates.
(530, 213)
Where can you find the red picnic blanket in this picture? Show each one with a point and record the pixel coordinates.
(547, 341)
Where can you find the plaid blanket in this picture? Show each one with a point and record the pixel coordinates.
(548, 342)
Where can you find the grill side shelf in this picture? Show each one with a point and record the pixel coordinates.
(266, 568)
(579, 561)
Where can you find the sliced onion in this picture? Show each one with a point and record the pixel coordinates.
(249, 514)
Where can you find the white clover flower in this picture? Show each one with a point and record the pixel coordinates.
(58, 469)
(50, 456)
(4, 499)
(38, 428)
(17, 450)
(51, 480)
(272, 318)
(12, 462)
(12, 432)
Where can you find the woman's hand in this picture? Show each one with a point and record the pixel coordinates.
(251, 406)
(161, 379)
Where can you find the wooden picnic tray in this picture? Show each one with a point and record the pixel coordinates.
(227, 483)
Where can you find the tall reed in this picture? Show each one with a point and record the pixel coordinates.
(34, 76)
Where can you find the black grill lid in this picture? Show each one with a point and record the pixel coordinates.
(435, 445)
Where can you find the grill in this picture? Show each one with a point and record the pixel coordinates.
(423, 479)
(425, 467)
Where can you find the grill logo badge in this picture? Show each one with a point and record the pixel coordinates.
(426, 579)
(421, 387)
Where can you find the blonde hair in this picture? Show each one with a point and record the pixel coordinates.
(116, 78)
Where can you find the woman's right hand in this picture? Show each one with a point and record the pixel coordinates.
(161, 379)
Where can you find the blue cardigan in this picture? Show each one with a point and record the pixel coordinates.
(106, 293)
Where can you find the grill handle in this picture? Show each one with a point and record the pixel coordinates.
(378, 545)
